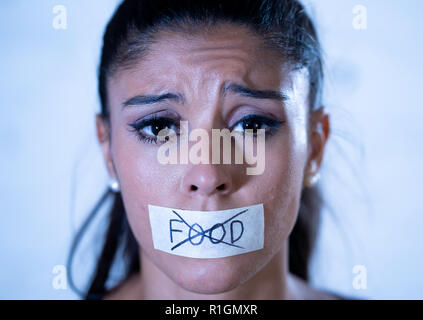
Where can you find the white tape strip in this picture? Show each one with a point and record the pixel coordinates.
(207, 234)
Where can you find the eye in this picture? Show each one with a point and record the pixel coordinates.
(256, 122)
(148, 129)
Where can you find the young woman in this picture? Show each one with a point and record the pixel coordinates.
(247, 64)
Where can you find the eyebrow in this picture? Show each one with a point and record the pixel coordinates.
(229, 87)
(150, 99)
(257, 94)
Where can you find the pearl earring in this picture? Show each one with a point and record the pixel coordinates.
(312, 180)
(114, 185)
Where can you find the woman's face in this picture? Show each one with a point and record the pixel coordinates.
(196, 68)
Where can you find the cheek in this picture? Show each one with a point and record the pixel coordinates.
(143, 181)
(279, 187)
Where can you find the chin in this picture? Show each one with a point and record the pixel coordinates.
(211, 276)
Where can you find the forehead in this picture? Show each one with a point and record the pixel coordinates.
(205, 59)
(220, 42)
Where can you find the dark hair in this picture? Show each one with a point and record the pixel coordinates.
(283, 25)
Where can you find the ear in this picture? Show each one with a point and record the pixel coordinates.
(319, 134)
(103, 136)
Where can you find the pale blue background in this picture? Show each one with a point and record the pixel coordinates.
(52, 170)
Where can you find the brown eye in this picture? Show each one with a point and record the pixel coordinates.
(256, 122)
(149, 129)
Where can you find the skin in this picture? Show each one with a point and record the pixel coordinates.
(197, 66)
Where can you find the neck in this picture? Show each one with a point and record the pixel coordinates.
(271, 282)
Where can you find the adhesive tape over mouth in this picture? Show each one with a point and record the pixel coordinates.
(207, 234)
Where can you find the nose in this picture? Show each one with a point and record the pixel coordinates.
(207, 180)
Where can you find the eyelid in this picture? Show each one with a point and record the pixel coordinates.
(243, 110)
(265, 119)
(138, 125)
(166, 113)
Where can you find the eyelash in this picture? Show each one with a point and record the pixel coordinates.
(164, 122)
(273, 125)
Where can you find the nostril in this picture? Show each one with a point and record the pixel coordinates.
(221, 187)
(194, 188)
